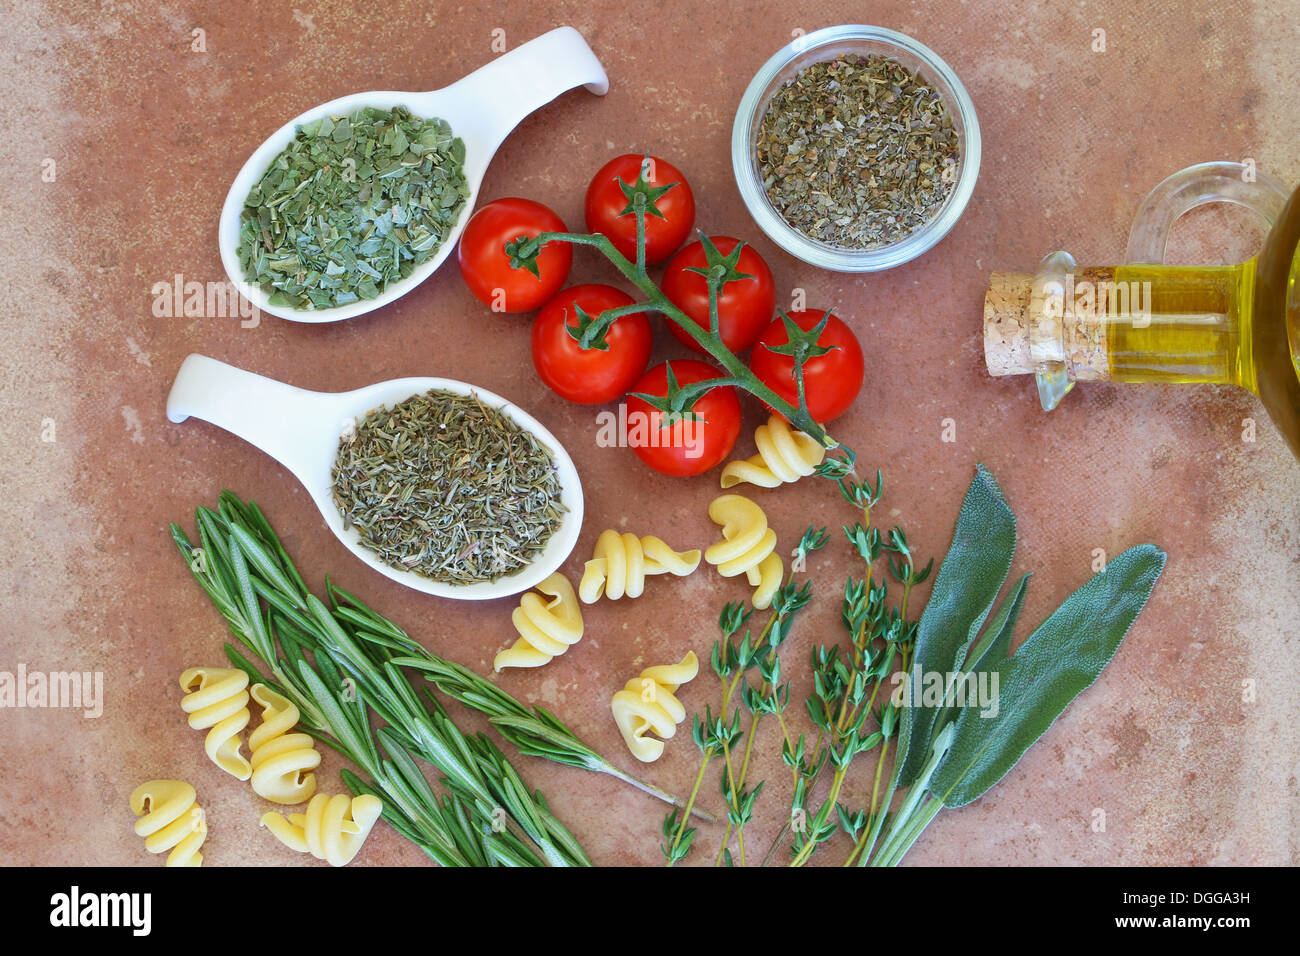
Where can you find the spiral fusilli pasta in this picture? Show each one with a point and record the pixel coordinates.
(647, 703)
(280, 759)
(172, 820)
(622, 562)
(218, 699)
(546, 628)
(784, 455)
(748, 546)
(331, 829)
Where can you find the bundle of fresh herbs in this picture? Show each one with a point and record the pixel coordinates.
(352, 204)
(958, 709)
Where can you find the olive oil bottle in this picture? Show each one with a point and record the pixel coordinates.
(1147, 322)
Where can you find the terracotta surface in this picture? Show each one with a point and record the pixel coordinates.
(146, 136)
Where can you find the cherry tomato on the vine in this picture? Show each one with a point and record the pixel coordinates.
(690, 446)
(486, 267)
(831, 381)
(591, 375)
(745, 306)
(606, 202)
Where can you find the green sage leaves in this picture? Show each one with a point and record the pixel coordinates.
(1054, 665)
(969, 709)
(964, 591)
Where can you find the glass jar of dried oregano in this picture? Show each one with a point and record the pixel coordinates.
(856, 148)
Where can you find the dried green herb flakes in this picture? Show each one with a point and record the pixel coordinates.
(445, 486)
(352, 204)
(857, 152)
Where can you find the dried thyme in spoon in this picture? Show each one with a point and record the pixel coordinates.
(447, 487)
(857, 152)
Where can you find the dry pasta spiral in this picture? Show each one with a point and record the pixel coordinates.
(784, 455)
(748, 546)
(647, 703)
(218, 699)
(172, 820)
(280, 760)
(331, 829)
(622, 562)
(546, 628)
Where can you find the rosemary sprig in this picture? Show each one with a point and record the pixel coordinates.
(410, 805)
(475, 769)
(240, 563)
(535, 731)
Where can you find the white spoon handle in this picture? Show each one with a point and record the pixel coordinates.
(528, 77)
(275, 417)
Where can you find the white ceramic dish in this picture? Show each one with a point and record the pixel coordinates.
(301, 430)
(482, 109)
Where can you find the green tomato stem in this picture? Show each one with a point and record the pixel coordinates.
(708, 339)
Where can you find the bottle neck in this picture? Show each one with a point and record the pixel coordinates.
(1140, 323)
(1193, 324)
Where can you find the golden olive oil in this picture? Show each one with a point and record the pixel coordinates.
(1236, 325)
(1197, 330)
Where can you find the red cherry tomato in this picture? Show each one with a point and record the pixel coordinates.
(486, 267)
(831, 381)
(590, 376)
(687, 447)
(745, 306)
(606, 202)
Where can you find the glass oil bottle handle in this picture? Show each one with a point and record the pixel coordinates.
(1194, 186)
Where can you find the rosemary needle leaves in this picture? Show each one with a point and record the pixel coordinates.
(486, 815)
(448, 487)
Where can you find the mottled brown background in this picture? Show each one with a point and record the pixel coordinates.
(147, 135)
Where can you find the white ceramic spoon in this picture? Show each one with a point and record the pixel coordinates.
(301, 430)
(482, 109)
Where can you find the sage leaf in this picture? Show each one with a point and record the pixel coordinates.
(995, 643)
(964, 591)
(1058, 661)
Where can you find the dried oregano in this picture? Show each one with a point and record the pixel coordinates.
(857, 152)
(352, 204)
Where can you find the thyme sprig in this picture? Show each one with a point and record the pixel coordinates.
(713, 734)
(718, 736)
(770, 697)
(847, 681)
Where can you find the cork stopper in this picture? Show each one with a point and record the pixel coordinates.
(1007, 323)
(1039, 323)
